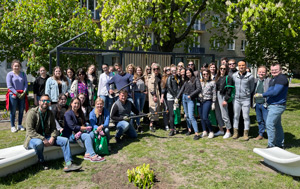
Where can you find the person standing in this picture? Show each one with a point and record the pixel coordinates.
(244, 86)
(41, 132)
(260, 104)
(16, 96)
(102, 90)
(276, 99)
(39, 85)
(163, 98)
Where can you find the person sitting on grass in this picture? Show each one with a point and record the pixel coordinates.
(120, 113)
(74, 121)
(99, 118)
(41, 132)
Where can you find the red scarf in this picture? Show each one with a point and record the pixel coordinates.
(19, 91)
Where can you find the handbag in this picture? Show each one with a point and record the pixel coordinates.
(101, 145)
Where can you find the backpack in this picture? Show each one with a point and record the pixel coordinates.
(232, 91)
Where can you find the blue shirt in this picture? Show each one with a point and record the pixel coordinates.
(120, 81)
(277, 92)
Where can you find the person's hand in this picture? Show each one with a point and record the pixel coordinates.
(111, 91)
(77, 135)
(155, 99)
(51, 141)
(213, 106)
(200, 95)
(176, 101)
(161, 100)
(134, 81)
(126, 118)
(258, 95)
(224, 104)
(22, 95)
(61, 130)
(36, 102)
(18, 95)
(46, 143)
(189, 96)
(89, 128)
(67, 94)
(149, 114)
(100, 128)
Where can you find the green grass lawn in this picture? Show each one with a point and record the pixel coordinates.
(295, 80)
(178, 162)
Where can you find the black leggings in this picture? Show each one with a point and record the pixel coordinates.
(171, 113)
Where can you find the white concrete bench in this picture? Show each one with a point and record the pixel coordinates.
(16, 158)
(282, 160)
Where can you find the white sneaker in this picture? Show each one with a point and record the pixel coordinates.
(204, 134)
(20, 127)
(167, 128)
(211, 135)
(219, 133)
(227, 135)
(13, 129)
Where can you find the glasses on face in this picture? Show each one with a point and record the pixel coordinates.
(47, 101)
(191, 64)
(167, 70)
(154, 69)
(222, 68)
(231, 64)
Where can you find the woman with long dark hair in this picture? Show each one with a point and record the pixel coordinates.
(74, 121)
(189, 91)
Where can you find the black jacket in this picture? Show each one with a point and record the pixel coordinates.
(191, 88)
(173, 86)
(220, 85)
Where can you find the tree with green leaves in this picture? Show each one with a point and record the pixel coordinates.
(272, 28)
(31, 28)
(128, 23)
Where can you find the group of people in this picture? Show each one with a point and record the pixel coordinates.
(64, 110)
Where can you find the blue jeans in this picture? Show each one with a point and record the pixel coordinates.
(261, 117)
(274, 127)
(189, 107)
(107, 102)
(15, 102)
(88, 139)
(127, 128)
(204, 109)
(139, 101)
(38, 146)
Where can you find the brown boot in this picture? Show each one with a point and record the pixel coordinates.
(235, 134)
(259, 137)
(246, 137)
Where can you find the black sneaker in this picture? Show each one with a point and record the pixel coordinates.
(140, 129)
(118, 139)
(72, 167)
(152, 129)
(197, 137)
(188, 133)
(44, 166)
(172, 132)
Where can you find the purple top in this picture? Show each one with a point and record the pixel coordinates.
(82, 88)
(16, 82)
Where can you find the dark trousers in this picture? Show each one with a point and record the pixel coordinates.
(171, 113)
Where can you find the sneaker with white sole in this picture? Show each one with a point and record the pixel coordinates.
(167, 128)
(204, 134)
(219, 133)
(20, 127)
(13, 130)
(211, 135)
(227, 135)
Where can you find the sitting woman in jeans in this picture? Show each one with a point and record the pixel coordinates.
(99, 118)
(190, 90)
(207, 102)
(74, 122)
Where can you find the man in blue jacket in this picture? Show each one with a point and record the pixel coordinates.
(276, 99)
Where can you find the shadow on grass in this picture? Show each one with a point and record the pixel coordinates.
(34, 169)
(290, 140)
(274, 169)
(293, 102)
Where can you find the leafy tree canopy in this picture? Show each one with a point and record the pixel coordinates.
(272, 28)
(127, 23)
(31, 28)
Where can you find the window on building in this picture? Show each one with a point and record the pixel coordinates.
(151, 35)
(216, 44)
(231, 45)
(216, 21)
(244, 43)
(197, 24)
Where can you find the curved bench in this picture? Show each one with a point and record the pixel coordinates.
(282, 160)
(16, 158)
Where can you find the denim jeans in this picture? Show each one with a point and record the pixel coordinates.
(127, 128)
(139, 101)
(88, 139)
(204, 109)
(244, 105)
(15, 102)
(189, 107)
(38, 146)
(261, 117)
(274, 127)
(107, 102)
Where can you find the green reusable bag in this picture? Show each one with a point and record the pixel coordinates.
(212, 117)
(177, 119)
(101, 146)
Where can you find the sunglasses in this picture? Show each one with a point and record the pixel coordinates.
(222, 68)
(167, 70)
(154, 69)
(191, 64)
(231, 64)
(47, 101)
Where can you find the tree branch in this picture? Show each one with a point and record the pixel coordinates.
(183, 8)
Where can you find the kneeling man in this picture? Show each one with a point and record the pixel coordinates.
(41, 132)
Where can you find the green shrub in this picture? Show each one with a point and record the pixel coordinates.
(141, 176)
